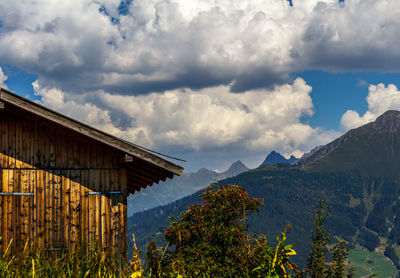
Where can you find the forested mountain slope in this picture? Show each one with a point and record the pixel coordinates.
(357, 174)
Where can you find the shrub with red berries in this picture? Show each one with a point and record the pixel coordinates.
(211, 239)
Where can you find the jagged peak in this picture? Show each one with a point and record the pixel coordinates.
(275, 157)
(236, 165)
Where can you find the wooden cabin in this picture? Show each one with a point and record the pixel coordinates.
(64, 183)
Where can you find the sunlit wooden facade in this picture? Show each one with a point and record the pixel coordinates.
(63, 183)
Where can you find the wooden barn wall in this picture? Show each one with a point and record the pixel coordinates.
(59, 170)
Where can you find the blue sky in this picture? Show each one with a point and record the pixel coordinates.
(20, 81)
(334, 93)
(209, 81)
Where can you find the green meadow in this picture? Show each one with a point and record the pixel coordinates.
(366, 263)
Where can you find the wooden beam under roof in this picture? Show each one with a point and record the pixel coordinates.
(137, 164)
(139, 180)
(140, 177)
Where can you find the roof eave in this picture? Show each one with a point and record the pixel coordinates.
(88, 131)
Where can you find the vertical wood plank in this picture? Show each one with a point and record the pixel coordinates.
(66, 212)
(34, 227)
(83, 155)
(1, 179)
(1, 206)
(40, 162)
(36, 144)
(91, 203)
(94, 164)
(52, 148)
(58, 149)
(107, 188)
(40, 193)
(1, 141)
(107, 209)
(64, 151)
(115, 215)
(123, 210)
(76, 155)
(30, 141)
(114, 221)
(12, 208)
(25, 204)
(57, 209)
(75, 207)
(11, 143)
(84, 206)
(18, 143)
(97, 197)
(100, 156)
(103, 200)
(5, 208)
(70, 152)
(4, 142)
(47, 208)
(46, 147)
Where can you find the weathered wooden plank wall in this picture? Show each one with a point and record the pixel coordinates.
(62, 170)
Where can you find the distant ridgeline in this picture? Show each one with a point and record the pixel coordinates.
(357, 174)
(189, 183)
(275, 158)
(179, 187)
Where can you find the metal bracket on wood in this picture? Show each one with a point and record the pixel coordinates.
(128, 158)
(104, 193)
(15, 194)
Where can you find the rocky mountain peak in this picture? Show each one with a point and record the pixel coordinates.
(388, 121)
(235, 169)
(274, 158)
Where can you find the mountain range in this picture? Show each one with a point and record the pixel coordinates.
(357, 174)
(179, 187)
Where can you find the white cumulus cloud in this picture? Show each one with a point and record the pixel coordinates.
(158, 45)
(347, 39)
(380, 99)
(203, 120)
(3, 78)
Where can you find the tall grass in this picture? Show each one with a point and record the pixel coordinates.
(82, 261)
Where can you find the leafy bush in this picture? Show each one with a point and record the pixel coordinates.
(212, 240)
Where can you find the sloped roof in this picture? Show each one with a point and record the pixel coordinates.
(145, 168)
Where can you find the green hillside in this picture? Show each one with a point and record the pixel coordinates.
(356, 174)
(372, 150)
